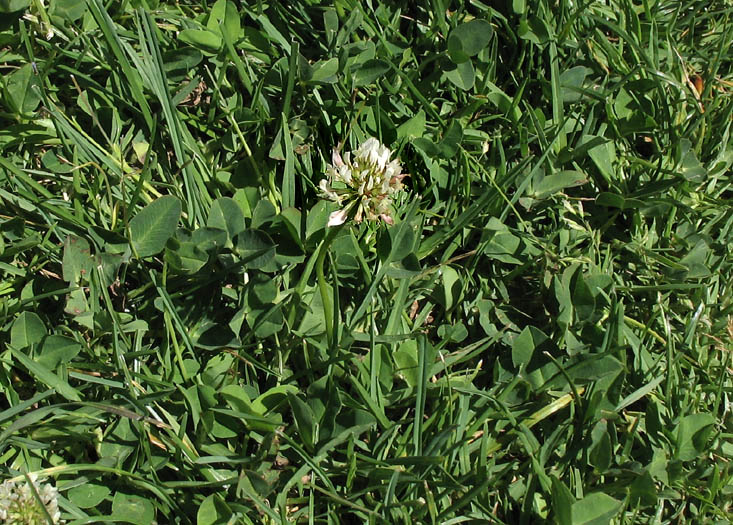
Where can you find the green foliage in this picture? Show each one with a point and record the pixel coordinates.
(154, 225)
(544, 334)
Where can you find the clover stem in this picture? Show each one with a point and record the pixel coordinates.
(322, 285)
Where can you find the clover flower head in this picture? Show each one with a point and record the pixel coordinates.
(366, 179)
(19, 506)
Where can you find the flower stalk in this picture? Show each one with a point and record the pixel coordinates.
(363, 183)
(323, 286)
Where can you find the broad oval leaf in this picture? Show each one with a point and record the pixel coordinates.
(562, 500)
(22, 90)
(505, 104)
(225, 214)
(27, 329)
(212, 511)
(88, 495)
(552, 184)
(468, 40)
(132, 508)
(77, 261)
(185, 257)
(462, 75)
(370, 71)
(11, 6)
(70, 10)
(402, 241)
(154, 225)
(412, 128)
(273, 399)
(181, 61)
(305, 420)
(202, 39)
(325, 71)
(692, 433)
(451, 139)
(524, 345)
(595, 509)
(57, 349)
(407, 362)
(255, 248)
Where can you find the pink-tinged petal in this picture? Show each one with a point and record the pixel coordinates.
(336, 159)
(388, 219)
(338, 217)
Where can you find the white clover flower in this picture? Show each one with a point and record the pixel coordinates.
(367, 181)
(19, 506)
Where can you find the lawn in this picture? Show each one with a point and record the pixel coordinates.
(366, 262)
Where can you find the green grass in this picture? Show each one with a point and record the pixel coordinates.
(544, 335)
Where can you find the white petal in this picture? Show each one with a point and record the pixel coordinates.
(371, 144)
(383, 156)
(338, 217)
(367, 151)
(392, 169)
(344, 173)
(327, 192)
